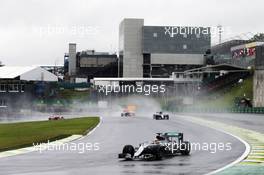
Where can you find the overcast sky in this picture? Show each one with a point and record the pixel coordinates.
(37, 32)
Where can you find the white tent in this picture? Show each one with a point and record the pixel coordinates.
(27, 73)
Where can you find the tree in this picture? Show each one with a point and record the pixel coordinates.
(258, 37)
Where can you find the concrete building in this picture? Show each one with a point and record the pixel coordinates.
(88, 64)
(72, 59)
(130, 48)
(157, 51)
(258, 83)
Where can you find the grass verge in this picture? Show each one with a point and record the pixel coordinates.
(227, 99)
(19, 135)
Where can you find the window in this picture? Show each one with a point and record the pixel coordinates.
(155, 35)
(10, 87)
(146, 58)
(2, 88)
(2, 103)
(13, 88)
(22, 88)
(184, 46)
(16, 87)
(198, 36)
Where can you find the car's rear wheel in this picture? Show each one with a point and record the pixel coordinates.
(129, 149)
(185, 148)
(157, 153)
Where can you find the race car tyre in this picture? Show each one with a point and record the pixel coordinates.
(185, 148)
(129, 149)
(157, 152)
(158, 155)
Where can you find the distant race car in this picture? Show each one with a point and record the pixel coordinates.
(166, 145)
(56, 117)
(161, 116)
(127, 114)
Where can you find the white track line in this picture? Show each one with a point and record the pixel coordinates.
(240, 159)
(38, 147)
(89, 133)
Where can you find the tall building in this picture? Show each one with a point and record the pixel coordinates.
(130, 48)
(157, 51)
(72, 59)
(258, 83)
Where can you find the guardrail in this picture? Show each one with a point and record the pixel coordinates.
(259, 110)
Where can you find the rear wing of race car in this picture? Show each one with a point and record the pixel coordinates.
(174, 134)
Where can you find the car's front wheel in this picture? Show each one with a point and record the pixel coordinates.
(129, 149)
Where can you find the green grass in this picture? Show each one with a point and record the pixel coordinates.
(70, 94)
(226, 98)
(18, 135)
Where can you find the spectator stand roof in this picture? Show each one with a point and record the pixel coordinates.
(217, 69)
(27, 73)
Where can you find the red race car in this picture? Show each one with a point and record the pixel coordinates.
(127, 113)
(56, 117)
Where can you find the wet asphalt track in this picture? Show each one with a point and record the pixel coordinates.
(115, 132)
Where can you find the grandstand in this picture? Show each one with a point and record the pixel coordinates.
(219, 76)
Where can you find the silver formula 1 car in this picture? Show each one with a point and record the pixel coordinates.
(166, 145)
(160, 116)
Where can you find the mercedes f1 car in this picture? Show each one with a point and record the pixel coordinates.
(166, 145)
(161, 116)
